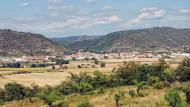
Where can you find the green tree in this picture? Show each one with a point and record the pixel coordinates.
(14, 91)
(127, 72)
(183, 70)
(118, 95)
(140, 85)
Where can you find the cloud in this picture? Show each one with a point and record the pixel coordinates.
(62, 25)
(108, 19)
(183, 10)
(90, 1)
(58, 8)
(24, 3)
(147, 14)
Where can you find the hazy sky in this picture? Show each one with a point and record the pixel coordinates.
(93, 17)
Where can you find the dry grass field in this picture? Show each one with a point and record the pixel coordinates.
(40, 76)
(151, 98)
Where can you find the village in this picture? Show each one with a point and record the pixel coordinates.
(79, 56)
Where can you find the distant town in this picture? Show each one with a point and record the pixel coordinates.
(89, 56)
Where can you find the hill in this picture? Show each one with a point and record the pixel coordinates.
(137, 40)
(20, 43)
(66, 41)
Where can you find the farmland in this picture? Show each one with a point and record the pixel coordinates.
(41, 76)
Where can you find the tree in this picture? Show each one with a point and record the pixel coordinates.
(183, 70)
(14, 91)
(139, 85)
(173, 98)
(118, 95)
(127, 72)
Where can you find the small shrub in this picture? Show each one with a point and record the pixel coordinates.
(96, 62)
(153, 80)
(2, 96)
(173, 98)
(159, 85)
(187, 93)
(93, 66)
(53, 99)
(85, 103)
(102, 65)
(79, 66)
(132, 93)
(101, 91)
(53, 67)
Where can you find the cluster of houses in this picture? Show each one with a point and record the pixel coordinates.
(122, 55)
(89, 55)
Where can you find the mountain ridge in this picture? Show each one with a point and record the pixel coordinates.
(22, 43)
(137, 40)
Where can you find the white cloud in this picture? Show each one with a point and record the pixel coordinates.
(183, 10)
(62, 25)
(58, 8)
(107, 19)
(90, 1)
(24, 3)
(147, 14)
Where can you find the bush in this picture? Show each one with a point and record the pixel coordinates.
(53, 99)
(79, 66)
(132, 93)
(173, 98)
(53, 67)
(65, 88)
(13, 65)
(82, 87)
(93, 66)
(96, 62)
(187, 93)
(2, 96)
(159, 85)
(153, 80)
(183, 70)
(85, 103)
(14, 91)
(61, 61)
(102, 65)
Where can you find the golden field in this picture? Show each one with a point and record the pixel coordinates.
(41, 76)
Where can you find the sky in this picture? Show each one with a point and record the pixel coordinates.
(59, 18)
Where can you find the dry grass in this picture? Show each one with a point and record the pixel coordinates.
(152, 98)
(41, 79)
(38, 70)
(40, 76)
